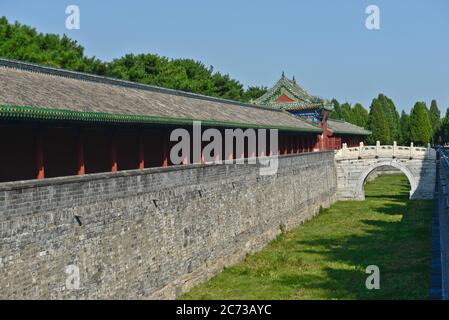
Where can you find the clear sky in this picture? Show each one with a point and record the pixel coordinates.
(324, 43)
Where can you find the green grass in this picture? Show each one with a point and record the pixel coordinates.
(326, 257)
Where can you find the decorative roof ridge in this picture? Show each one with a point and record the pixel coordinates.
(296, 90)
(82, 76)
(287, 82)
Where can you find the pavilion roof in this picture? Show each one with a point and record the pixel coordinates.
(297, 97)
(342, 127)
(34, 92)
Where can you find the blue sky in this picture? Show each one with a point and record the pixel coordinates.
(324, 43)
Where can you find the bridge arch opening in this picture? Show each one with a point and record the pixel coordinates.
(379, 166)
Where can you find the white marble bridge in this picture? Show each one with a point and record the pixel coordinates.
(355, 164)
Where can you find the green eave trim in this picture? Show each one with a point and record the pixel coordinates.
(46, 114)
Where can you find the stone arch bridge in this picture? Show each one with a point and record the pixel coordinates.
(355, 164)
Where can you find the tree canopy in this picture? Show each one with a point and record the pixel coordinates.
(21, 42)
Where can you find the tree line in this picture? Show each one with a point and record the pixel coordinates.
(21, 42)
(422, 126)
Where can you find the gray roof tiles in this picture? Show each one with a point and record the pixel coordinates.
(24, 84)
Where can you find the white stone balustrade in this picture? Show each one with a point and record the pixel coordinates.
(385, 151)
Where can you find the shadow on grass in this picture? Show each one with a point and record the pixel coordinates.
(400, 248)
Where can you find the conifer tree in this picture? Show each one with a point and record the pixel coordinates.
(336, 114)
(405, 129)
(360, 116)
(392, 116)
(420, 127)
(435, 119)
(443, 132)
(346, 113)
(378, 124)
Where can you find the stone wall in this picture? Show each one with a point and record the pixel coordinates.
(439, 288)
(152, 233)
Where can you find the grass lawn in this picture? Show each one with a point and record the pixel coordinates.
(326, 257)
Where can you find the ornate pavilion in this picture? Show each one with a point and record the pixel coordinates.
(287, 95)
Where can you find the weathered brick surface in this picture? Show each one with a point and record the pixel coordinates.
(152, 233)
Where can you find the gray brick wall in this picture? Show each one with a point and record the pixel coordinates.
(152, 233)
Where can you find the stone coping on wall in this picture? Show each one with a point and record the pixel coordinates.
(24, 184)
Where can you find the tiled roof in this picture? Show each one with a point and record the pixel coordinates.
(343, 127)
(302, 100)
(37, 92)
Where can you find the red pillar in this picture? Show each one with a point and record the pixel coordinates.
(114, 165)
(230, 156)
(141, 152)
(202, 153)
(297, 144)
(279, 145)
(261, 152)
(242, 153)
(285, 144)
(40, 168)
(292, 144)
(269, 150)
(164, 149)
(80, 153)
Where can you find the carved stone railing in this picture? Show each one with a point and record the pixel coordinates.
(385, 151)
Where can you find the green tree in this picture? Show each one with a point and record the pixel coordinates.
(360, 116)
(392, 116)
(24, 43)
(405, 129)
(420, 127)
(435, 119)
(346, 112)
(253, 93)
(378, 124)
(336, 114)
(21, 42)
(443, 132)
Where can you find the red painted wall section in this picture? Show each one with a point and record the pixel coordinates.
(97, 150)
(70, 151)
(18, 153)
(60, 152)
(127, 149)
